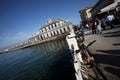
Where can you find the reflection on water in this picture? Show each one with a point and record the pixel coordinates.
(49, 61)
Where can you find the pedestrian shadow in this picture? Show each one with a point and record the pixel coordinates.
(114, 52)
(107, 59)
(113, 70)
(109, 28)
(112, 34)
(116, 44)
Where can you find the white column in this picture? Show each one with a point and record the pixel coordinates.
(50, 27)
(62, 30)
(66, 28)
(52, 33)
(56, 32)
(49, 34)
(53, 26)
(35, 38)
(59, 31)
(57, 24)
(43, 37)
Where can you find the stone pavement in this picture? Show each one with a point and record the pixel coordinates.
(106, 51)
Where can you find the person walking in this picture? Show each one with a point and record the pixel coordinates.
(92, 25)
(111, 18)
(87, 26)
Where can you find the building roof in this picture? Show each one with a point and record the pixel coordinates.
(51, 22)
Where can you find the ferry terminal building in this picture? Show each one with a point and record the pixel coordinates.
(51, 30)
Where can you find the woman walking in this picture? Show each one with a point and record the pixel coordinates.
(99, 28)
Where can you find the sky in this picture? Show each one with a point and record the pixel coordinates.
(19, 19)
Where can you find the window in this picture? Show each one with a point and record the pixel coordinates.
(45, 29)
(64, 29)
(55, 25)
(52, 26)
(41, 37)
(51, 34)
(49, 27)
(57, 32)
(68, 28)
(54, 33)
(47, 36)
(61, 31)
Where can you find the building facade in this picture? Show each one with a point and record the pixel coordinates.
(85, 14)
(100, 5)
(52, 29)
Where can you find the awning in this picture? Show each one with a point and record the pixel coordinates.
(109, 7)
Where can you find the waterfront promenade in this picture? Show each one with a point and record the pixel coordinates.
(106, 51)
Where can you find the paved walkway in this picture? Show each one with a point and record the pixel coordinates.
(106, 50)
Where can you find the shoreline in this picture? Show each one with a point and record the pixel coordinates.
(63, 36)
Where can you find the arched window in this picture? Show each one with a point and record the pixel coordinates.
(64, 29)
(55, 25)
(57, 32)
(47, 36)
(51, 34)
(68, 28)
(61, 31)
(54, 33)
(41, 37)
(52, 26)
(45, 29)
(49, 27)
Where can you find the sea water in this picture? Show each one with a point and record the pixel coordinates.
(48, 61)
